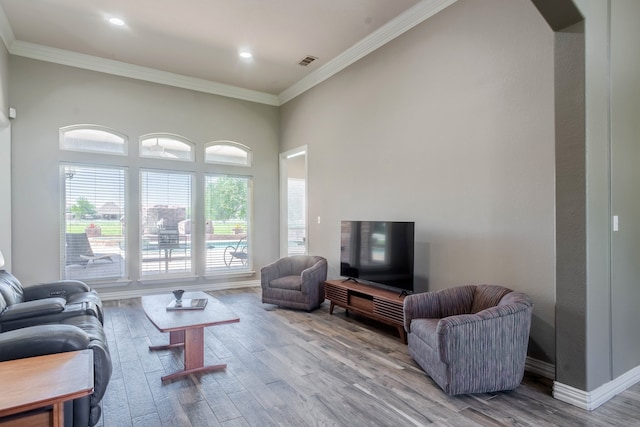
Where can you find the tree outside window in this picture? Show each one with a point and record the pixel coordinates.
(227, 223)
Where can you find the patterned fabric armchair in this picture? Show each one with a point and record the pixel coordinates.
(295, 282)
(470, 339)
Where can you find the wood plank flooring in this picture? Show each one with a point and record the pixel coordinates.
(293, 368)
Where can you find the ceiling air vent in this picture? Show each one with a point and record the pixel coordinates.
(307, 60)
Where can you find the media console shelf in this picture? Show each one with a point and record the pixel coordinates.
(379, 304)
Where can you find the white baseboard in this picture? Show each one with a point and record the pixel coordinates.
(135, 293)
(590, 400)
(547, 370)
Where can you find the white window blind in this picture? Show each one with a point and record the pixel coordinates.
(165, 216)
(93, 222)
(227, 223)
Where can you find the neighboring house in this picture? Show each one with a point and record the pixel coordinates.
(110, 211)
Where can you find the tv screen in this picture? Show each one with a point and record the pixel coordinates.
(378, 253)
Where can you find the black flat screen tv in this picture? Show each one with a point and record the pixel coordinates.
(379, 253)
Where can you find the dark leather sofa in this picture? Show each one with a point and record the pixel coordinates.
(53, 318)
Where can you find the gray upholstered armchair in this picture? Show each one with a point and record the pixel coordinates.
(470, 339)
(295, 282)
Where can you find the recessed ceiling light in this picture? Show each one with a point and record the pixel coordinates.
(116, 21)
(245, 54)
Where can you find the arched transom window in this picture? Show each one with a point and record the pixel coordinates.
(166, 146)
(93, 138)
(227, 153)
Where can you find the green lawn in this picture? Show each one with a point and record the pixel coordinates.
(114, 227)
(109, 228)
(220, 227)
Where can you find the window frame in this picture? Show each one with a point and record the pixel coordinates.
(134, 165)
(125, 277)
(248, 268)
(192, 273)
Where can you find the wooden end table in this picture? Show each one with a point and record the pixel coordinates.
(38, 382)
(186, 328)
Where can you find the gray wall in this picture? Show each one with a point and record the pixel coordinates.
(571, 198)
(5, 158)
(450, 125)
(584, 305)
(49, 96)
(597, 288)
(4, 85)
(598, 272)
(625, 184)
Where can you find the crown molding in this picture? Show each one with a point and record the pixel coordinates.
(394, 28)
(6, 33)
(109, 66)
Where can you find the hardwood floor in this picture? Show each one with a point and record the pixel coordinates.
(293, 368)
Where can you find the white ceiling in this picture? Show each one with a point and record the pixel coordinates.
(195, 43)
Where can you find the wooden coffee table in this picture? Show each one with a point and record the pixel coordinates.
(186, 328)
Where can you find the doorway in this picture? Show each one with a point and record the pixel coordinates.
(293, 202)
(5, 194)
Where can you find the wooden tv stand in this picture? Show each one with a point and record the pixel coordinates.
(380, 304)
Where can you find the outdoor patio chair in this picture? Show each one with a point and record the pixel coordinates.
(237, 252)
(78, 250)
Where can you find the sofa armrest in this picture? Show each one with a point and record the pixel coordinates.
(39, 340)
(420, 306)
(61, 288)
(102, 369)
(313, 276)
(438, 304)
(268, 273)
(32, 309)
